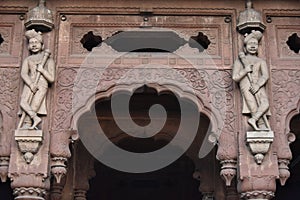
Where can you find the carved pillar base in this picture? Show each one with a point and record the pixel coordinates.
(228, 170)
(259, 143)
(58, 168)
(57, 189)
(80, 195)
(208, 196)
(4, 163)
(30, 193)
(258, 195)
(29, 142)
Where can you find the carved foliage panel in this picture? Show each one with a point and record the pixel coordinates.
(11, 37)
(9, 87)
(213, 87)
(285, 90)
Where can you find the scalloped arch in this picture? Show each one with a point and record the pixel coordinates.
(160, 89)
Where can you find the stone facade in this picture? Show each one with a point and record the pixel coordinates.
(92, 64)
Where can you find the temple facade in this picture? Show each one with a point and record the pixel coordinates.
(166, 99)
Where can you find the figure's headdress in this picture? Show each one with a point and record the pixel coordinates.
(254, 34)
(33, 34)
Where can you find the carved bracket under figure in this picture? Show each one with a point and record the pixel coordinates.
(28, 142)
(259, 143)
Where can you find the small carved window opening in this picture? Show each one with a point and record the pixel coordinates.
(145, 41)
(89, 41)
(294, 42)
(1, 39)
(200, 42)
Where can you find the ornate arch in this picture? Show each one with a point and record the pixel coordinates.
(160, 89)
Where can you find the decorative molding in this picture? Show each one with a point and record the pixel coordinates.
(281, 12)
(258, 194)
(136, 10)
(13, 9)
(29, 193)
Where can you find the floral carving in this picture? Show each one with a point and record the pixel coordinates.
(66, 77)
(8, 87)
(286, 84)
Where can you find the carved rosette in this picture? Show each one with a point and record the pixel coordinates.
(4, 163)
(228, 170)
(29, 142)
(29, 193)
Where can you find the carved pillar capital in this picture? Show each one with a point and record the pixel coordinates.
(284, 172)
(228, 170)
(58, 167)
(4, 163)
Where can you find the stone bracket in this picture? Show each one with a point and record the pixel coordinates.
(259, 143)
(29, 142)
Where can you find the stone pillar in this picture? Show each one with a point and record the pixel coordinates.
(84, 171)
(60, 152)
(57, 189)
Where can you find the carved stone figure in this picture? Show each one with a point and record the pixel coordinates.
(251, 72)
(38, 70)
